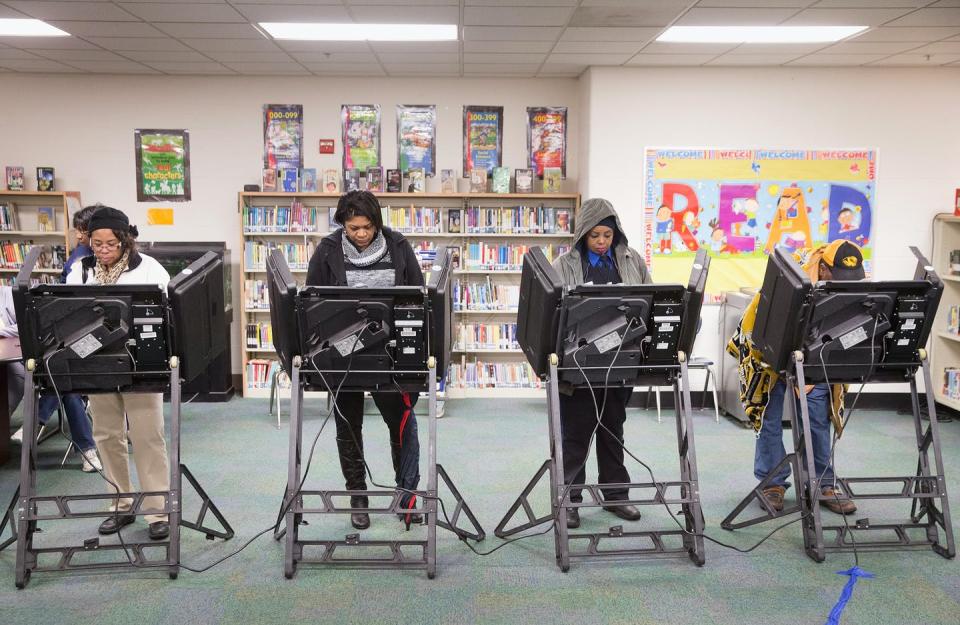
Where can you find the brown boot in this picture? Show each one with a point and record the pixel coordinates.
(774, 497)
(835, 501)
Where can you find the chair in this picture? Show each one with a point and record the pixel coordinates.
(695, 363)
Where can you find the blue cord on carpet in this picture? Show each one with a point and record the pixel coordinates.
(854, 573)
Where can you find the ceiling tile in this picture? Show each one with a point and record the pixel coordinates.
(897, 33)
(348, 69)
(793, 4)
(870, 47)
(946, 3)
(823, 59)
(778, 48)
(752, 59)
(46, 43)
(516, 16)
(12, 54)
(919, 60)
(562, 68)
(507, 46)
(106, 11)
(445, 68)
(108, 29)
(323, 46)
(280, 2)
(631, 14)
(192, 12)
(930, 17)
(8, 13)
(207, 67)
(398, 2)
(250, 57)
(610, 34)
(80, 55)
(844, 17)
(232, 45)
(502, 59)
(942, 47)
(670, 59)
(390, 47)
(267, 68)
(509, 33)
(134, 43)
(486, 69)
(212, 31)
(508, 3)
(669, 47)
(870, 4)
(36, 65)
(408, 14)
(598, 47)
(734, 17)
(163, 56)
(113, 67)
(427, 58)
(590, 59)
(293, 13)
(314, 58)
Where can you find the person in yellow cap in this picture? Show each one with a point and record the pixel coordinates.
(762, 394)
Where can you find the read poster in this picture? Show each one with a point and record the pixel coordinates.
(163, 165)
(482, 138)
(547, 138)
(739, 204)
(416, 137)
(282, 136)
(360, 127)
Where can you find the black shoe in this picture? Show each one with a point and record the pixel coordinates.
(411, 518)
(159, 530)
(113, 524)
(573, 518)
(627, 513)
(359, 520)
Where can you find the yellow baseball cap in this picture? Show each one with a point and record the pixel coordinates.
(844, 259)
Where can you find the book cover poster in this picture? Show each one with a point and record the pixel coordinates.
(269, 180)
(46, 219)
(308, 180)
(282, 136)
(288, 180)
(14, 178)
(375, 179)
(448, 181)
(45, 178)
(547, 138)
(331, 181)
(416, 137)
(552, 178)
(351, 180)
(394, 181)
(740, 203)
(501, 180)
(360, 130)
(163, 165)
(482, 138)
(416, 180)
(524, 180)
(478, 181)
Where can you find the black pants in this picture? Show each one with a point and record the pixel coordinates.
(397, 411)
(578, 418)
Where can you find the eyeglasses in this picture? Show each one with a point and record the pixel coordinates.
(109, 245)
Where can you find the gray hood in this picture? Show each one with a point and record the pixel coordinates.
(592, 212)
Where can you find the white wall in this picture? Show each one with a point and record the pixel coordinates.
(909, 115)
(83, 126)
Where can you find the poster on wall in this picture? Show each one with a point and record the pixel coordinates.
(416, 137)
(360, 130)
(282, 136)
(547, 138)
(163, 165)
(740, 203)
(482, 138)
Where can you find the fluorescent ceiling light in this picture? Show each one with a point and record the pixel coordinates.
(361, 32)
(758, 34)
(29, 28)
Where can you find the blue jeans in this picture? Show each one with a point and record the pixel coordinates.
(80, 430)
(770, 450)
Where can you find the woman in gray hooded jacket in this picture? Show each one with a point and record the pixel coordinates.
(599, 256)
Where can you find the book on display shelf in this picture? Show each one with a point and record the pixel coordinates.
(332, 218)
(412, 219)
(487, 336)
(448, 181)
(480, 374)
(14, 178)
(351, 180)
(45, 179)
(288, 180)
(394, 181)
(416, 180)
(257, 295)
(375, 179)
(46, 219)
(331, 181)
(517, 220)
(501, 180)
(485, 295)
(552, 177)
(478, 181)
(308, 180)
(524, 180)
(8, 216)
(268, 180)
(454, 223)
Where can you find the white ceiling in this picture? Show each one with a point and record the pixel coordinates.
(537, 38)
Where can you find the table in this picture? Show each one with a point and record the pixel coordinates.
(9, 352)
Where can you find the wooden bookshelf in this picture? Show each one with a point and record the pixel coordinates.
(945, 346)
(443, 202)
(27, 206)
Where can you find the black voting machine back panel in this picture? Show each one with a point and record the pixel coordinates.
(853, 332)
(106, 339)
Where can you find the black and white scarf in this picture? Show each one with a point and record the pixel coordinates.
(372, 267)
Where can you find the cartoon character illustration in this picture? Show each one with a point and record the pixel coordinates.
(718, 237)
(847, 219)
(824, 227)
(790, 218)
(664, 232)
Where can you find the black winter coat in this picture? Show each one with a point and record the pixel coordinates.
(327, 264)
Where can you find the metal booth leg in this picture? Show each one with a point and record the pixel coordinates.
(292, 547)
(26, 560)
(559, 488)
(693, 514)
(430, 505)
(941, 518)
(808, 483)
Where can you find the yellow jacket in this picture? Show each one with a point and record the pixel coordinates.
(756, 378)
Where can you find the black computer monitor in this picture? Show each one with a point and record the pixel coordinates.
(538, 313)
(196, 302)
(848, 331)
(282, 293)
(693, 301)
(375, 333)
(440, 297)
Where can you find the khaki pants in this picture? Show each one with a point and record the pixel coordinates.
(144, 411)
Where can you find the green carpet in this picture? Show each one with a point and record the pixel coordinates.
(490, 448)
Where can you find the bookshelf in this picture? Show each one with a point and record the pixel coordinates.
(945, 345)
(29, 218)
(490, 256)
